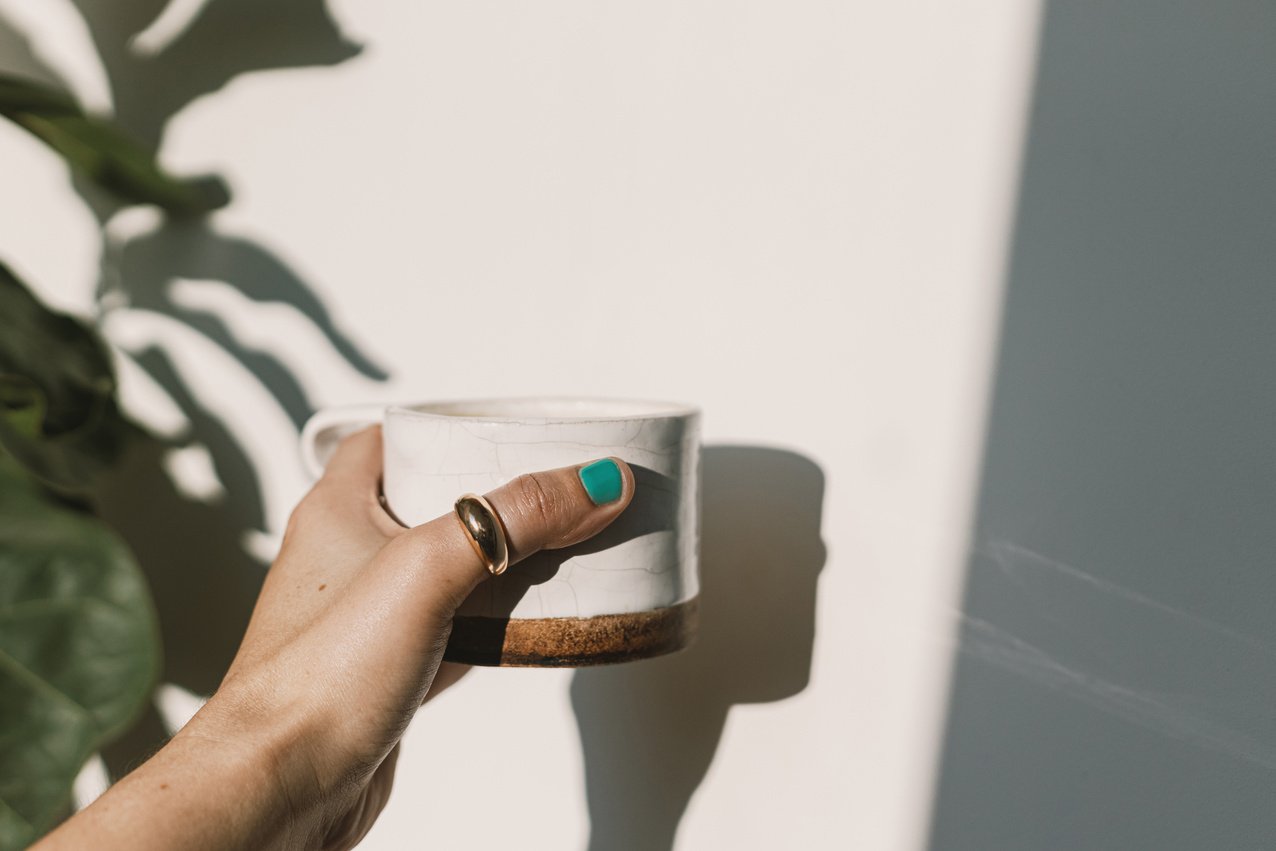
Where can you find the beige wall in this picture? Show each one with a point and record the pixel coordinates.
(794, 214)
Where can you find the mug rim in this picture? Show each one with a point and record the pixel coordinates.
(654, 409)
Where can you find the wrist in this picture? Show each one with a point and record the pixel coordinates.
(240, 780)
(268, 754)
(207, 788)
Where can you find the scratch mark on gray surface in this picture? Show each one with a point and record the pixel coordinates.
(1014, 560)
(995, 646)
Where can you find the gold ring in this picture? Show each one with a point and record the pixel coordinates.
(486, 534)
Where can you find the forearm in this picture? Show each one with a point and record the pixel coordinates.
(297, 748)
(201, 791)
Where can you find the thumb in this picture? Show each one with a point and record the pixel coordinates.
(545, 510)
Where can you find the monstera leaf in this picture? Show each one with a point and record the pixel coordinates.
(58, 415)
(101, 151)
(79, 649)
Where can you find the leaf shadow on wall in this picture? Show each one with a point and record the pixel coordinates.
(203, 580)
(1116, 670)
(649, 730)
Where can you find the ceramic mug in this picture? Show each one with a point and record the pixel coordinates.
(628, 593)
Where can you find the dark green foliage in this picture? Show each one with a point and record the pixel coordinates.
(79, 649)
(58, 415)
(79, 641)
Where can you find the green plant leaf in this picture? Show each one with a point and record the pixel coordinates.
(58, 414)
(102, 151)
(79, 650)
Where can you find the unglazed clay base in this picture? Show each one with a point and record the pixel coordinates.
(571, 642)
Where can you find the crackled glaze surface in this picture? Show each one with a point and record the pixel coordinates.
(437, 451)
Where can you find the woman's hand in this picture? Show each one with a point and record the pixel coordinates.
(297, 747)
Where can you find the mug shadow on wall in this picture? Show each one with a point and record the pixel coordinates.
(650, 729)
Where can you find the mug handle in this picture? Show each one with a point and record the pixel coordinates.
(326, 428)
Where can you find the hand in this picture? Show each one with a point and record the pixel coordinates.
(297, 747)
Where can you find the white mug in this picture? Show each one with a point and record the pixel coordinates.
(628, 593)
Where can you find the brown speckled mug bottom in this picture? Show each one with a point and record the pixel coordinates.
(571, 642)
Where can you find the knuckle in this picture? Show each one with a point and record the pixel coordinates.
(536, 500)
(418, 549)
(314, 510)
(415, 546)
(298, 520)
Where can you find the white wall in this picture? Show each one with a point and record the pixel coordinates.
(792, 214)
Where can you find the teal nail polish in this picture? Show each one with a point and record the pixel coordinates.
(602, 481)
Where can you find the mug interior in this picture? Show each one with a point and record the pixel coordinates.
(550, 409)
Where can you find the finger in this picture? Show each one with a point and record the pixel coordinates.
(356, 463)
(558, 508)
(351, 483)
(546, 510)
